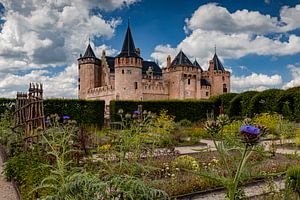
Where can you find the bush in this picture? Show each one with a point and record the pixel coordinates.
(264, 101)
(186, 162)
(28, 171)
(288, 103)
(224, 101)
(293, 179)
(239, 105)
(185, 123)
(193, 110)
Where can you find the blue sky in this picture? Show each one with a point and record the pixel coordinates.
(259, 41)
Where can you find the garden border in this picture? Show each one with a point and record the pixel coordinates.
(4, 158)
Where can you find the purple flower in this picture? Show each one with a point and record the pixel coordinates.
(252, 130)
(136, 112)
(66, 117)
(250, 134)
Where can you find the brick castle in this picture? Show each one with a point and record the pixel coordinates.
(128, 77)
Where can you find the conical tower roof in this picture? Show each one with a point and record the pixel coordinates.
(128, 48)
(89, 52)
(217, 63)
(196, 64)
(181, 59)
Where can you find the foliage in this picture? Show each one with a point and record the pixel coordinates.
(223, 101)
(83, 111)
(193, 110)
(28, 171)
(293, 179)
(185, 123)
(239, 105)
(271, 121)
(186, 162)
(264, 101)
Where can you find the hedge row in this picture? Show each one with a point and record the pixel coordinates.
(286, 102)
(83, 111)
(193, 110)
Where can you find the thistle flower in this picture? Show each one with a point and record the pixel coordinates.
(137, 112)
(250, 134)
(66, 117)
(212, 126)
(120, 111)
(223, 119)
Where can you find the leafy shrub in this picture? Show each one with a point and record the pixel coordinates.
(239, 105)
(193, 110)
(293, 179)
(185, 123)
(271, 121)
(186, 162)
(28, 171)
(224, 101)
(264, 101)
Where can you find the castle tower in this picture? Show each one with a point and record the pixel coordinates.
(128, 70)
(183, 77)
(89, 72)
(219, 77)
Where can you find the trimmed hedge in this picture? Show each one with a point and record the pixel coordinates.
(193, 110)
(264, 102)
(83, 111)
(223, 100)
(239, 105)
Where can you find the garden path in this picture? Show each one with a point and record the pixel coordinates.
(250, 191)
(7, 190)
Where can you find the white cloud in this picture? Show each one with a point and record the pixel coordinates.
(236, 34)
(295, 72)
(42, 33)
(64, 84)
(255, 81)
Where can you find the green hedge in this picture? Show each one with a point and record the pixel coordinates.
(264, 102)
(223, 100)
(239, 105)
(83, 111)
(193, 110)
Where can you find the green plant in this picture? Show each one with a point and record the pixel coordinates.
(185, 123)
(293, 179)
(186, 162)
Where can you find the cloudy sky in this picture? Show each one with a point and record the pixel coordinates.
(40, 40)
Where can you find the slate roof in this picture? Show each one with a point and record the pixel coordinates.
(181, 59)
(145, 65)
(217, 63)
(196, 64)
(128, 48)
(156, 69)
(89, 53)
(205, 82)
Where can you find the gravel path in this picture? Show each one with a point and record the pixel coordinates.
(7, 190)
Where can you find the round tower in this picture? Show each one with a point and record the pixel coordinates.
(89, 72)
(128, 71)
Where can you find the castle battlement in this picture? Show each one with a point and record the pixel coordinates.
(100, 90)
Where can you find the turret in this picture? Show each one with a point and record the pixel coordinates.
(219, 77)
(89, 72)
(128, 70)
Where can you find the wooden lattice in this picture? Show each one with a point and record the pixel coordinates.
(29, 112)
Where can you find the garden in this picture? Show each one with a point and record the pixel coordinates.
(159, 149)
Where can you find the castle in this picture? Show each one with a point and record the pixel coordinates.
(128, 77)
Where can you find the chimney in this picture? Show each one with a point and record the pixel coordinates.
(169, 61)
(138, 51)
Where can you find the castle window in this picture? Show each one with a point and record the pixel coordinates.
(223, 78)
(189, 81)
(128, 71)
(78, 87)
(78, 79)
(122, 71)
(207, 94)
(224, 88)
(135, 85)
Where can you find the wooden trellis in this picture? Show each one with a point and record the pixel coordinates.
(29, 113)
